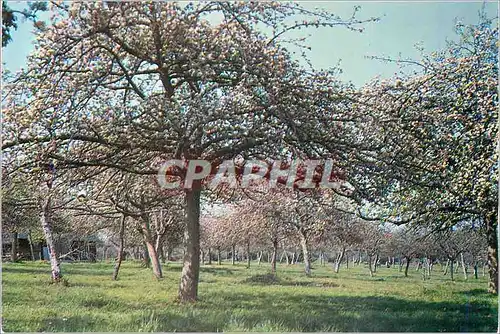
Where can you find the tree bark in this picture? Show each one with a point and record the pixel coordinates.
(151, 248)
(408, 260)
(305, 251)
(30, 241)
(13, 249)
(45, 219)
(248, 254)
(339, 260)
(209, 256)
(375, 263)
(446, 267)
(188, 287)
(463, 265)
(451, 269)
(120, 248)
(155, 262)
(219, 260)
(475, 270)
(259, 258)
(274, 256)
(492, 239)
(370, 265)
(202, 255)
(146, 261)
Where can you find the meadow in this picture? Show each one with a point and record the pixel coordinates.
(234, 298)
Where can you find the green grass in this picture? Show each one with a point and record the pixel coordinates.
(233, 298)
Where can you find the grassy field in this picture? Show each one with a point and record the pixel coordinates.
(233, 298)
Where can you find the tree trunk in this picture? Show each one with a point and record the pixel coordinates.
(347, 260)
(293, 258)
(492, 239)
(274, 256)
(451, 268)
(209, 256)
(370, 265)
(120, 248)
(155, 262)
(475, 270)
(161, 253)
(219, 260)
(464, 268)
(339, 260)
(202, 254)
(145, 255)
(49, 238)
(151, 248)
(446, 267)
(13, 249)
(259, 258)
(233, 255)
(408, 260)
(30, 241)
(305, 251)
(188, 288)
(248, 254)
(375, 263)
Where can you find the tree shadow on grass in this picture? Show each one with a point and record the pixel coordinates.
(65, 271)
(270, 279)
(218, 271)
(22, 270)
(474, 292)
(353, 313)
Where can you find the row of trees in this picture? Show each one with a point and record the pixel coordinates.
(114, 89)
(335, 239)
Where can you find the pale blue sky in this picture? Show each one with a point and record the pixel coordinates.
(402, 25)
